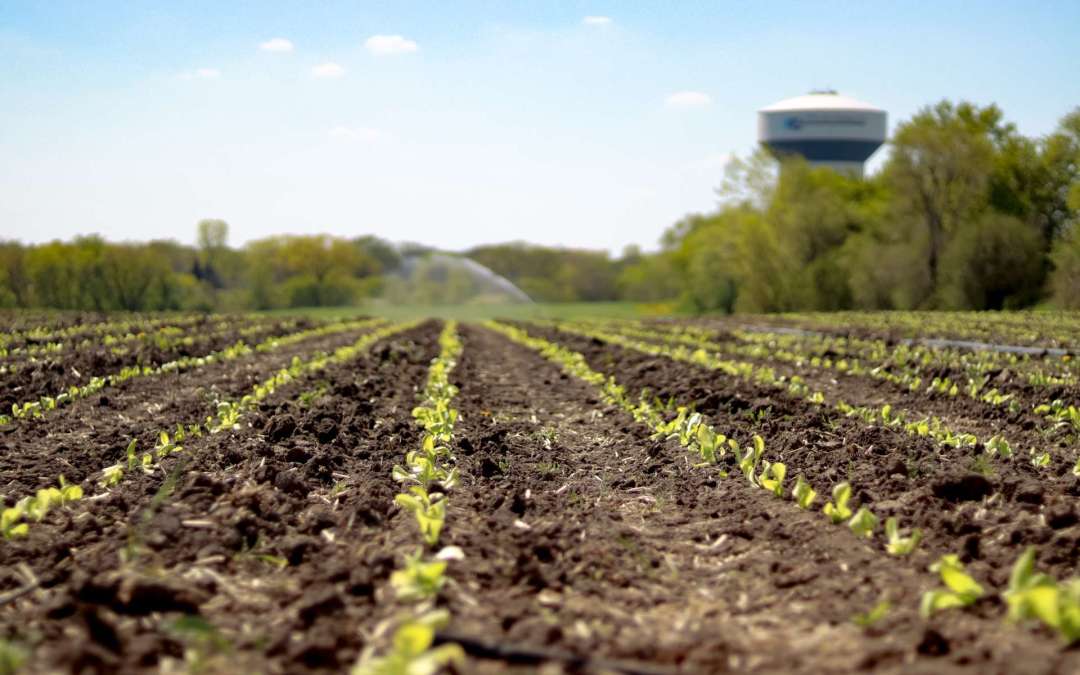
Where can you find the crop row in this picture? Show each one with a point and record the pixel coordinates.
(138, 324)
(888, 416)
(1050, 329)
(907, 378)
(36, 409)
(163, 340)
(428, 475)
(225, 415)
(1030, 595)
(910, 358)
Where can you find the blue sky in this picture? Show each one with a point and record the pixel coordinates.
(461, 123)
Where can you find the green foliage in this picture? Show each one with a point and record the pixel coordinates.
(803, 494)
(418, 580)
(994, 262)
(772, 477)
(963, 214)
(874, 615)
(896, 544)
(1065, 256)
(428, 509)
(837, 510)
(412, 652)
(863, 523)
(1035, 595)
(552, 274)
(960, 589)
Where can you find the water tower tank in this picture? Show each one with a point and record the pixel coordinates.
(824, 127)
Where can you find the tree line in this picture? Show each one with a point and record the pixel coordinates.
(966, 213)
(91, 274)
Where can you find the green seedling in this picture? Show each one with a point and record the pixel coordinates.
(1039, 460)
(961, 590)
(896, 544)
(412, 652)
(837, 510)
(772, 477)
(1030, 594)
(876, 614)
(803, 494)
(10, 527)
(419, 580)
(999, 446)
(1035, 595)
(429, 511)
(710, 445)
(111, 476)
(863, 523)
(749, 461)
(132, 459)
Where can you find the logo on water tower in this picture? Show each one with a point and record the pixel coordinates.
(793, 123)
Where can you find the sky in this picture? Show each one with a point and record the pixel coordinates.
(587, 124)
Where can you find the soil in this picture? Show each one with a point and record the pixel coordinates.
(51, 374)
(1023, 428)
(1016, 330)
(80, 439)
(589, 546)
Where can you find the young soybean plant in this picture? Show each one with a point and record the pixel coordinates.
(863, 523)
(1035, 595)
(802, 493)
(961, 590)
(772, 477)
(413, 653)
(429, 510)
(419, 580)
(837, 510)
(897, 545)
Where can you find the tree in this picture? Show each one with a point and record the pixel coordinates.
(992, 263)
(14, 277)
(212, 235)
(1065, 279)
(1060, 154)
(939, 170)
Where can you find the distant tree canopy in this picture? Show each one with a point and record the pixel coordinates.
(286, 271)
(966, 213)
(552, 274)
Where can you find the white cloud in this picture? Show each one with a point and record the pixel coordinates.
(327, 70)
(277, 45)
(389, 45)
(596, 20)
(357, 134)
(688, 99)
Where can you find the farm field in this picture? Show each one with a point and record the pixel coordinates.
(767, 494)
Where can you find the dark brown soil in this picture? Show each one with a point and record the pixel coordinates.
(589, 547)
(302, 487)
(962, 414)
(52, 374)
(80, 439)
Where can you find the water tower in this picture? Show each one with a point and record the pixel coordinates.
(825, 128)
